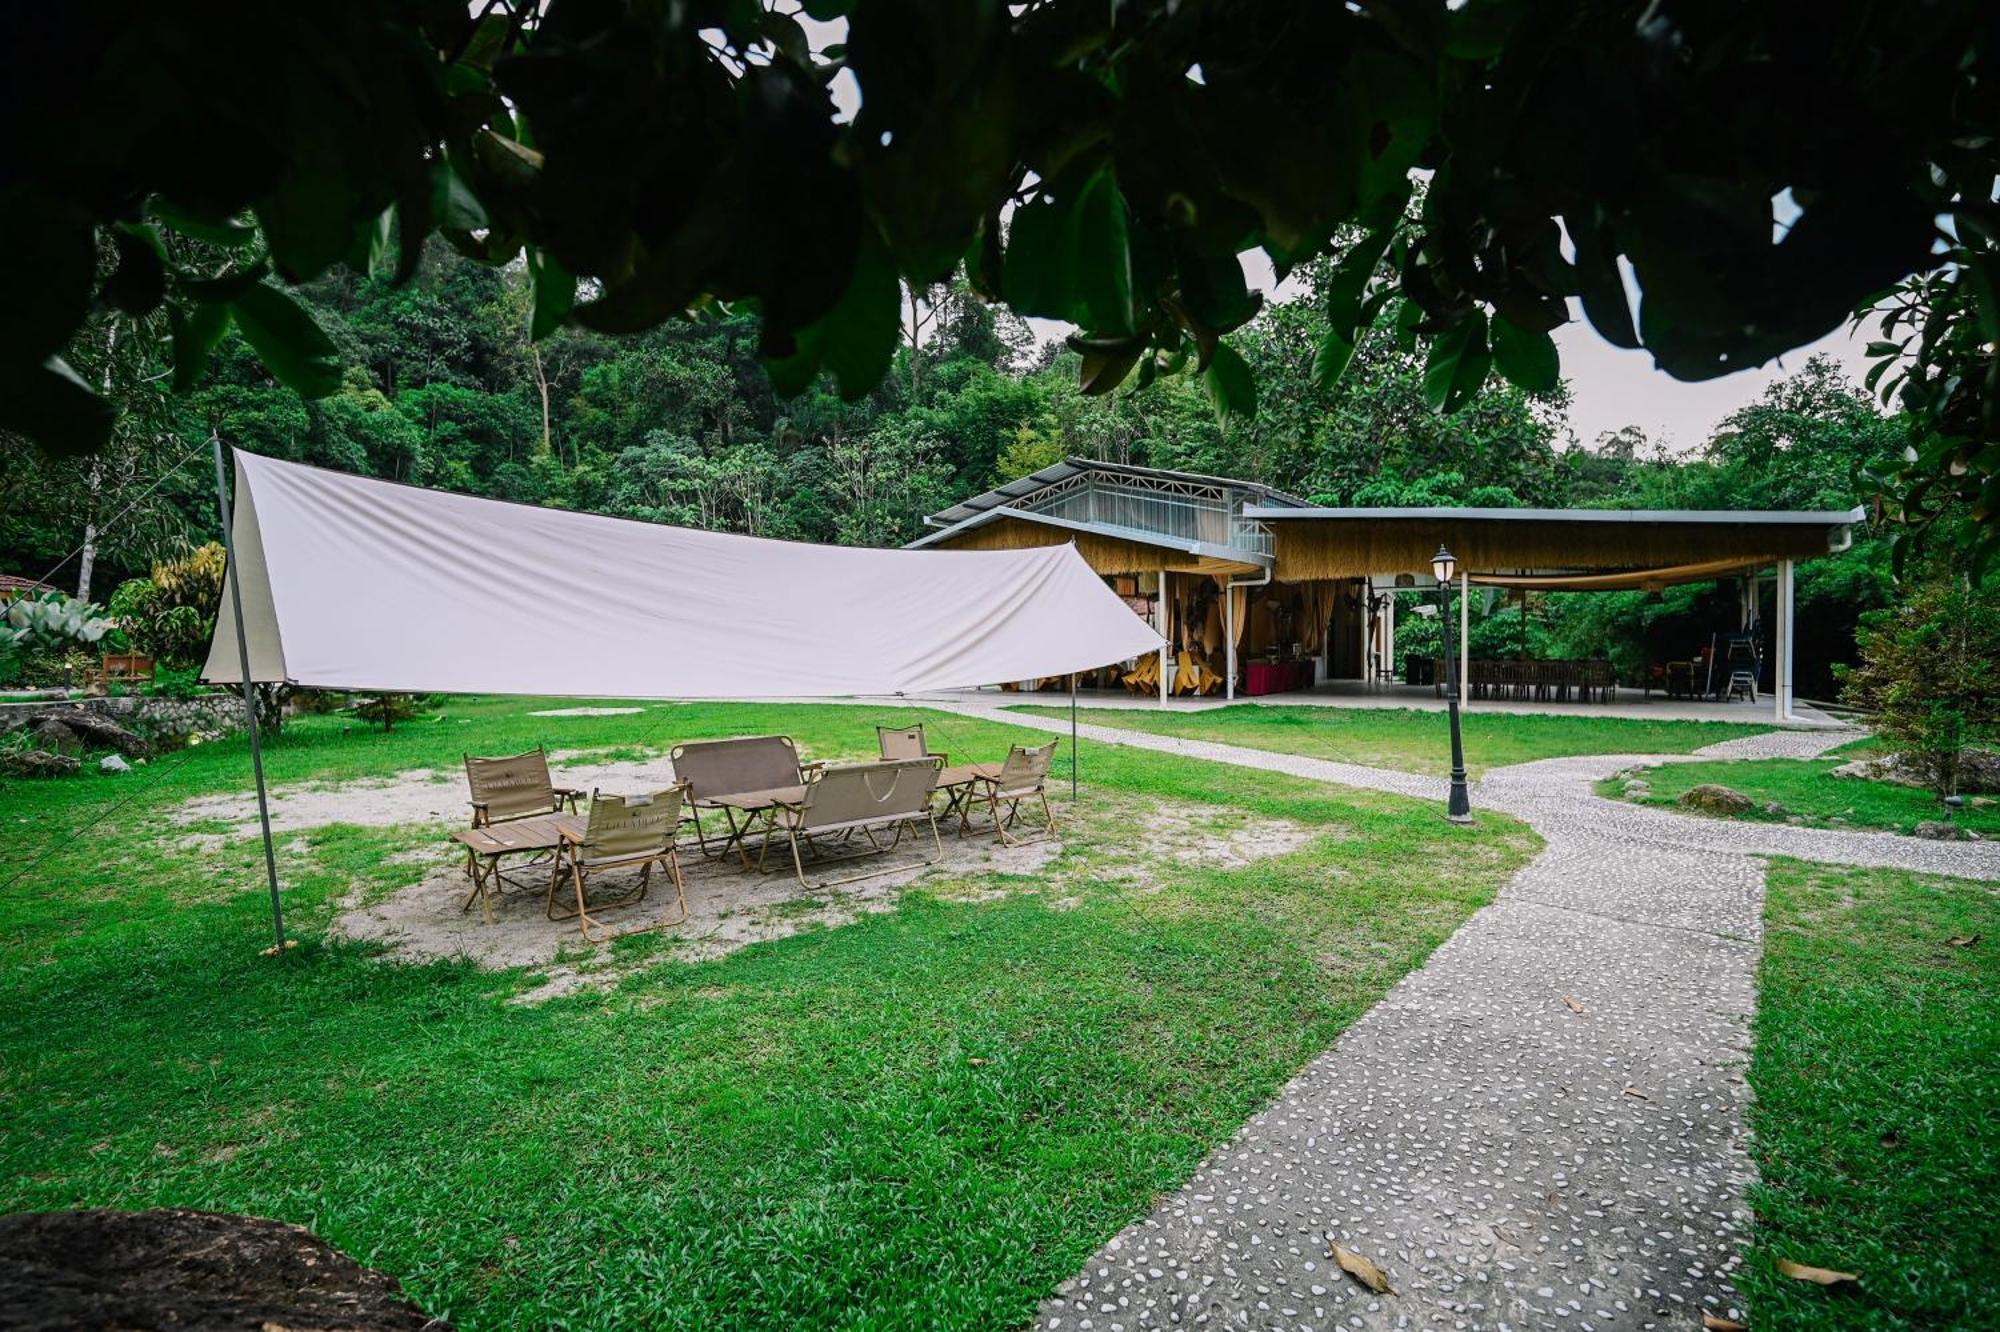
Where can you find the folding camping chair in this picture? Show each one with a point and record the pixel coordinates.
(624, 832)
(869, 798)
(716, 772)
(1023, 777)
(515, 787)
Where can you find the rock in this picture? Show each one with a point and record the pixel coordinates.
(1713, 799)
(1636, 788)
(1774, 809)
(114, 763)
(1937, 830)
(53, 735)
(40, 763)
(172, 1268)
(1796, 820)
(90, 729)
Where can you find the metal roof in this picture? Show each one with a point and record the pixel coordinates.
(1799, 517)
(1022, 487)
(1203, 549)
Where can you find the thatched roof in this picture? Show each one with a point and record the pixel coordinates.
(1351, 543)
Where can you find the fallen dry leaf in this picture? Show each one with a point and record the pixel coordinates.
(976, 1062)
(1962, 940)
(1360, 1268)
(1636, 1094)
(1819, 1276)
(1717, 1323)
(1570, 1002)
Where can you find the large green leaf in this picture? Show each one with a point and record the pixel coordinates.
(195, 333)
(1069, 255)
(1231, 386)
(1527, 357)
(296, 350)
(1330, 359)
(50, 405)
(856, 340)
(555, 293)
(1457, 364)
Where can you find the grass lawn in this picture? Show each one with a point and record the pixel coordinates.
(1876, 1071)
(929, 1116)
(1808, 788)
(1413, 740)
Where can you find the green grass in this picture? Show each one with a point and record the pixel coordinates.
(1413, 740)
(1807, 787)
(1876, 1071)
(795, 1135)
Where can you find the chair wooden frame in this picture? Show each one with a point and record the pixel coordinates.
(640, 847)
(841, 801)
(516, 786)
(1023, 777)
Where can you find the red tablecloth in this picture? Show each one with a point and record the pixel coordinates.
(1276, 677)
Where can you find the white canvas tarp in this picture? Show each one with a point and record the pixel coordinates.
(351, 583)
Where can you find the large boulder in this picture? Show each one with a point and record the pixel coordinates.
(170, 1268)
(1710, 798)
(38, 763)
(93, 731)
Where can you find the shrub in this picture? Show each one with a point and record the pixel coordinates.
(171, 615)
(1927, 673)
(53, 636)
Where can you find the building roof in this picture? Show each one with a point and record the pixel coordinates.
(1201, 550)
(1747, 517)
(1014, 491)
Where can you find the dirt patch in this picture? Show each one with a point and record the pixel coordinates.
(417, 795)
(728, 908)
(587, 712)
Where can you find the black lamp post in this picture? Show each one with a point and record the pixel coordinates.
(1458, 808)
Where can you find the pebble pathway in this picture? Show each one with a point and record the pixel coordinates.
(1543, 1126)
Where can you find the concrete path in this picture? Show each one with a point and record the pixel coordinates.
(1543, 1127)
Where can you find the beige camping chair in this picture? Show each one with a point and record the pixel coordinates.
(891, 797)
(715, 771)
(515, 787)
(1023, 777)
(623, 832)
(907, 742)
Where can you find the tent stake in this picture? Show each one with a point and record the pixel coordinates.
(1072, 737)
(249, 692)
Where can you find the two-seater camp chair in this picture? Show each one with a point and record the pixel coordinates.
(873, 799)
(735, 777)
(1022, 778)
(623, 832)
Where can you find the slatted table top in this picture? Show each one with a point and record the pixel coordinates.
(540, 833)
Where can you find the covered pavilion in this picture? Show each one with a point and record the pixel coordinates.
(1242, 573)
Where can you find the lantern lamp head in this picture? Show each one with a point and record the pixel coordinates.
(1444, 565)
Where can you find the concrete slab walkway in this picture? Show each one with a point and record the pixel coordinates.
(1543, 1127)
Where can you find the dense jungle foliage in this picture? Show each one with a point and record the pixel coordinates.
(442, 386)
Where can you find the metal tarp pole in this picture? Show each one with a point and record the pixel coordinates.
(249, 692)
(1072, 737)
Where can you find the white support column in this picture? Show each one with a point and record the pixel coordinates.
(1165, 647)
(1781, 645)
(1464, 637)
(1229, 639)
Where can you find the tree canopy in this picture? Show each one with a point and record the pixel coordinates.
(1100, 164)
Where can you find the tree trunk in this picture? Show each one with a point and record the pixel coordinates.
(542, 384)
(88, 563)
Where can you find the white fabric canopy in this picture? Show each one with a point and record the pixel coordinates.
(350, 583)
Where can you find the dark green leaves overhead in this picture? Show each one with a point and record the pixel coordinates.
(673, 158)
(292, 347)
(49, 404)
